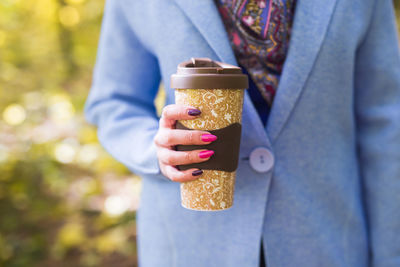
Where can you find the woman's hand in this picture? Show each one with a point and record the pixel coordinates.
(167, 137)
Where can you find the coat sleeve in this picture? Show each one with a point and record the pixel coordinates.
(121, 100)
(377, 108)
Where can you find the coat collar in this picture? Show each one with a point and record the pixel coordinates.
(311, 21)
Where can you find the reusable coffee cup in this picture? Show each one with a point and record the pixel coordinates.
(217, 90)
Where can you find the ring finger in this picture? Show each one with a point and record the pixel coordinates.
(172, 157)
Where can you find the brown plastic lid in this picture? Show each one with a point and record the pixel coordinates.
(204, 73)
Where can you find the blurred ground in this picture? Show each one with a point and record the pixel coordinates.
(63, 200)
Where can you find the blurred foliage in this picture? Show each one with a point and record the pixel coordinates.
(63, 200)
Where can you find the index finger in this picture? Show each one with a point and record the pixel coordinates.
(174, 112)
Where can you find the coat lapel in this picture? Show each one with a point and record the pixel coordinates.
(310, 24)
(205, 16)
(311, 21)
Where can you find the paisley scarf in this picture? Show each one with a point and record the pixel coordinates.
(259, 32)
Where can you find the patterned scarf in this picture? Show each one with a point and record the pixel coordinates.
(259, 32)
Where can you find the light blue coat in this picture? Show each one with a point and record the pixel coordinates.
(332, 197)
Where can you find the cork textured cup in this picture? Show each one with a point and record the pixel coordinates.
(217, 89)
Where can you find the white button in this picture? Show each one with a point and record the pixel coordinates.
(261, 159)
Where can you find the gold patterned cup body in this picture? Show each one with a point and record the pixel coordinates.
(217, 90)
(220, 108)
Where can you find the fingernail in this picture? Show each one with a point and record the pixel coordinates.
(208, 138)
(197, 172)
(206, 154)
(194, 112)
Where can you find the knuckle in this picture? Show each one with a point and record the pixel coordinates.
(166, 110)
(161, 158)
(167, 139)
(180, 176)
(174, 177)
(164, 138)
(164, 158)
(183, 112)
(168, 160)
(188, 156)
(187, 176)
(190, 137)
(156, 139)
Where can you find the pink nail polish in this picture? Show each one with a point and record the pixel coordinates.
(208, 137)
(206, 154)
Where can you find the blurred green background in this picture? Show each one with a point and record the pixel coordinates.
(63, 200)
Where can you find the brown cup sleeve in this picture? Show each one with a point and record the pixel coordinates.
(226, 149)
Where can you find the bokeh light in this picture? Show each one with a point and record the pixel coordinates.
(66, 151)
(76, 2)
(88, 153)
(14, 114)
(69, 16)
(115, 205)
(60, 108)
